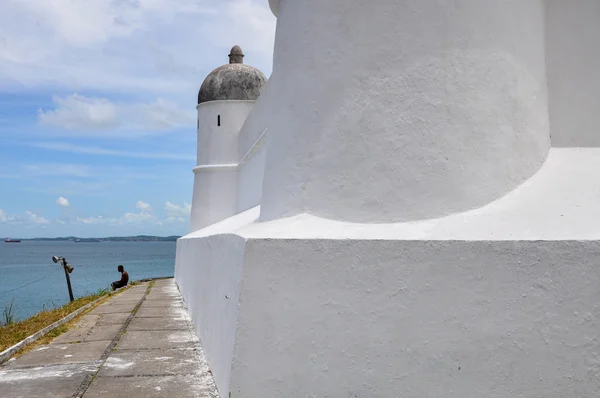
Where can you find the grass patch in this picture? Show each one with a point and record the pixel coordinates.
(15, 332)
(149, 288)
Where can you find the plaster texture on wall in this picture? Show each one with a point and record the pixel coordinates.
(219, 144)
(354, 318)
(230, 225)
(250, 177)
(252, 148)
(256, 124)
(336, 317)
(559, 203)
(216, 177)
(496, 302)
(214, 198)
(434, 108)
(329, 308)
(209, 274)
(573, 55)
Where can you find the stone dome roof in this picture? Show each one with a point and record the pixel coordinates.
(233, 81)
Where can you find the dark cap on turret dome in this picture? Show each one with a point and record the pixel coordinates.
(236, 55)
(233, 81)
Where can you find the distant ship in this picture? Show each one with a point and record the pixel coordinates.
(8, 240)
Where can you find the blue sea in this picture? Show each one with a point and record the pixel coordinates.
(95, 268)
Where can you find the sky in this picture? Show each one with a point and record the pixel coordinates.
(98, 109)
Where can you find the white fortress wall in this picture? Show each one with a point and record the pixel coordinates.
(342, 301)
(250, 177)
(218, 144)
(215, 180)
(252, 147)
(256, 123)
(372, 318)
(573, 54)
(209, 274)
(559, 203)
(215, 193)
(228, 181)
(208, 271)
(458, 88)
(483, 292)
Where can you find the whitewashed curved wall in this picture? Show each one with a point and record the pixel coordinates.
(257, 122)
(215, 179)
(219, 144)
(252, 152)
(214, 199)
(250, 178)
(403, 110)
(573, 53)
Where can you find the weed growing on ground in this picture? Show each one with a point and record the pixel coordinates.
(8, 315)
(102, 292)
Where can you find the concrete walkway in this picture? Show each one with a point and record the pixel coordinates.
(139, 343)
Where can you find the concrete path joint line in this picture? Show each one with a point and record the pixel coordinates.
(148, 351)
(85, 384)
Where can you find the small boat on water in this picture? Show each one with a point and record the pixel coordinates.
(8, 240)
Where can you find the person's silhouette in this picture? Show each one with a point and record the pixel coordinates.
(124, 279)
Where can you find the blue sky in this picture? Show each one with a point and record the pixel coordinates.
(97, 109)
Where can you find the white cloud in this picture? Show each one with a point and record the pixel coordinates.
(143, 206)
(145, 219)
(161, 115)
(77, 112)
(137, 217)
(30, 218)
(78, 23)
(55, 169)
(70, 187)
(97, 21)
(145, 215)
(176, 211)
(175, 220)
(114, 221)
(94, 150)
(94, 220)
(63, 202)
(34, 218)
(175, 214)
(99, 116)
(127, 218)
(158, 46)
(250, 23)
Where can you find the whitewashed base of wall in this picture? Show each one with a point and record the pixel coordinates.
(385, 318)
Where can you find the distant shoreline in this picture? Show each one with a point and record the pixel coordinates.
(140, 238)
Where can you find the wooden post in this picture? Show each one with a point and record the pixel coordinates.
(64, 264)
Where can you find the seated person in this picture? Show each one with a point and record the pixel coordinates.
(124, 279)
